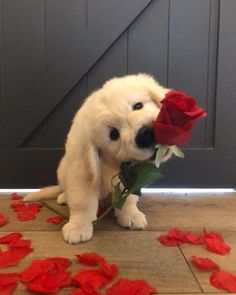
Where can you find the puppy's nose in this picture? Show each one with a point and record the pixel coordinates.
(145, 137)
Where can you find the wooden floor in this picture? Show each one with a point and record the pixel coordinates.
(138, 253)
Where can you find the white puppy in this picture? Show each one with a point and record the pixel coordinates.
(113, 125)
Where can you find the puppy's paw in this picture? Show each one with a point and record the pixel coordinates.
(136, 220)
(61, 199)
(74, 233)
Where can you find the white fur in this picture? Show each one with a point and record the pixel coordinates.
(92, 158)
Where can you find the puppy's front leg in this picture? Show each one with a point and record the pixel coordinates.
(129, 215)
(82, 199)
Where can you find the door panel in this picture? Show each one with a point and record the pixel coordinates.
(55, 53)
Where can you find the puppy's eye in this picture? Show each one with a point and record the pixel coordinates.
(138, 106)
(114, 134)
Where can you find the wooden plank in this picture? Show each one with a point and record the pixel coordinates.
(38, 224)
(128, 251)
(113, 63)
(188, 53)
(47, 135)
(226, 262)
(164, 211)
(24, 52)
(76, 62)
(65, 21)
(148, 42)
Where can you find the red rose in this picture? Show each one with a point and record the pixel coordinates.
(176, 119)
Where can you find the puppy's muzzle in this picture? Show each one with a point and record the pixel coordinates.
(145, 137)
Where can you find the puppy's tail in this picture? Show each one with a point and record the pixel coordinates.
(49, 192)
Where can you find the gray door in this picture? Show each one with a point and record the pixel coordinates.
(53, 53)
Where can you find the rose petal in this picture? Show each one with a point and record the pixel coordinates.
(3, 219)
(109, 270)
(90, 258)
(130, 287)
(81, 292)
(223, 280)
(213, 235)
(15, 196)
(168, 241)
(194, 238)
(10, 238)
(55, 219)
(8, 283)
(217, 246)
(13, 256)
(205, 263)
(90, 279)
(26, 215)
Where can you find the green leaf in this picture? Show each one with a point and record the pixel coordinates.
(134, 176)
(161, 152)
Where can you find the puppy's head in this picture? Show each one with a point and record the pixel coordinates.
(120, 117)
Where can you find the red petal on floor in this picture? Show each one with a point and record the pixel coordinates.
(81, 292)
(177, 234)
(130, 287)
(109, 270)
(90, 279)
(18, 205)
(55, 219)
(36, 269)
(194, 238)
(90, 258)
(59, 263)
(217, 246)
(205, 263)
(15, 196)
(223, 280)
(20, 244)
(213, 235)
(13, 256)
(26, 212)
(10, 238)
(3, 219)
(26, 215)
(168, 241)
(45, 284)
(8, 283)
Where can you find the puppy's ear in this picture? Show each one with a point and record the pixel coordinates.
(155, 90)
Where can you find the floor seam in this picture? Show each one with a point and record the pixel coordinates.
(199, 285)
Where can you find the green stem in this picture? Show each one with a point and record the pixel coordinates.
(109, 209)
(45, 204)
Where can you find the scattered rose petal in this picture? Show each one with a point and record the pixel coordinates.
(3, 219)
(15, 196)
(217, 246)
(177, 234)
(26, 212)
(89, 258)
(55, 219)
(205, 263)
(194, 238)
(213, 235)
(47, 276)
(168, 241)
(13, 256)
(8, 283)
(130, 287)
(109, 270)
(10, 238)
(81, 292)
(90, 279)
(223, 280)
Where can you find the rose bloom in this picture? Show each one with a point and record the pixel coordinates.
(176, 119)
